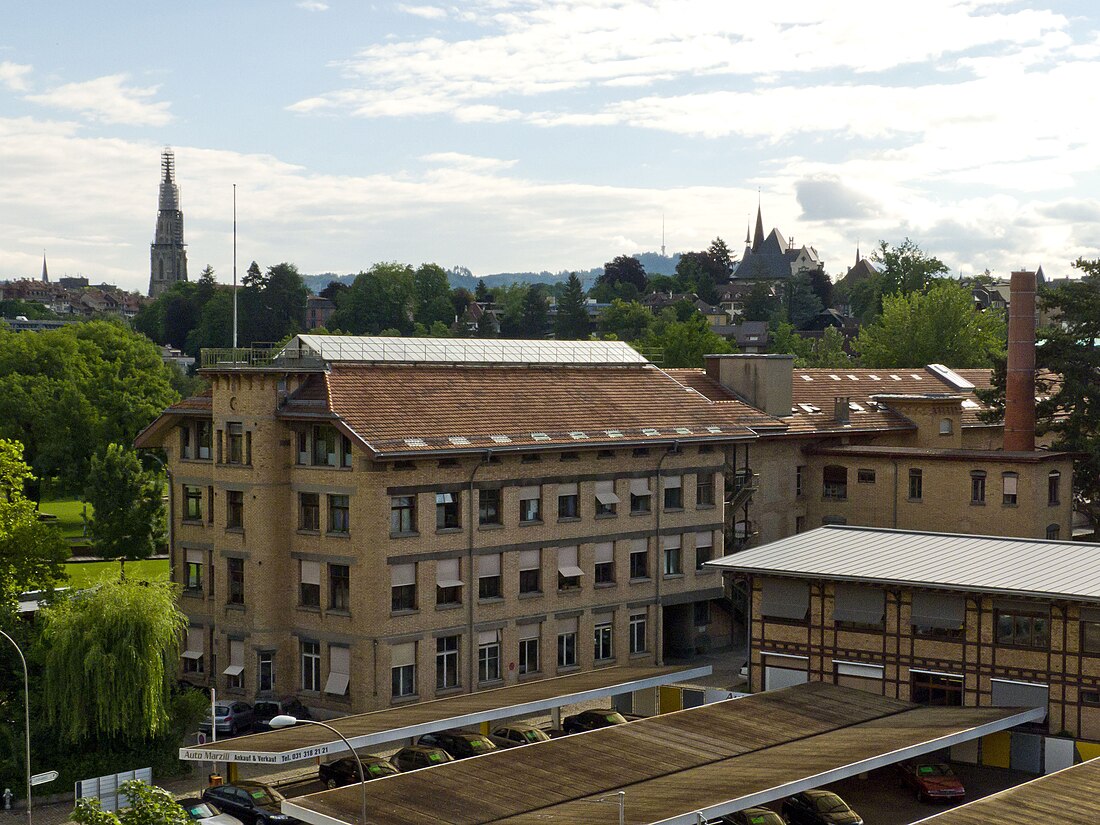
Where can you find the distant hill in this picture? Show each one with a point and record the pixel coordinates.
(460, 276)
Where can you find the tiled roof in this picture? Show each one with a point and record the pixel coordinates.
(197, 405)
(714, 391)
(409, 408)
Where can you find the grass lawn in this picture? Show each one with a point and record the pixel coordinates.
(85, 574)
(68, 512)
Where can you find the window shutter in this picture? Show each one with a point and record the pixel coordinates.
(605, 552)
(639, 486)
(446, 573)
(311, 572)
(942, 610)
(403, 655)
(402, 574)
(529, 560)
(567, 562)
(528, 493)
(567, 489)
(705, 539)
(488, 565)
(784, 598)
(856, 603)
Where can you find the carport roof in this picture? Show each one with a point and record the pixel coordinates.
(714, 759)
(1070, 795)
(367, 730)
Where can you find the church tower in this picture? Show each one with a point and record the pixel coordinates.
(168, 259)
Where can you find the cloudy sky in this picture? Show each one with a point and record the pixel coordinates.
(508, 135)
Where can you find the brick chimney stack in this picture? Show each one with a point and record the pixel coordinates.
(1019, 434)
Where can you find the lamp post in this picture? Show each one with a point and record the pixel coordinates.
(286, 721)
(619, 799)
(27, 719)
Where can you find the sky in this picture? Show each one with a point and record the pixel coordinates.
(523, 135)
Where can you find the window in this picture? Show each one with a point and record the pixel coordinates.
(704, 548)
(603, 642)
(1090, 631)
(916, 485)
(799, 477)
(977, 487)
(529, 458)
(403, 670)
(674, 492)
(704, 490)
(568, 501)
(673, 559)
(311, 666)
(324, 446)
(235, 435)
(640, 452)
(448, 462)
(488, 576)
(640, 497)
(605, 563)
(1010, 482)
(528, 648)
(530, 504)
(402, 587)
(946, 426)
(570, 456)
(865, 476)
(265, 670)
(339, 515)
(210, 504)
(569, 575)
(339, 670)
(784, 600)
(192, 507)
(404, 465)
(567, 643)
(1053, 532)
(1054, 490)
(309, 512)
(192, 574)
(1023, 626)
(339, 587)
(605, 454)
(938, 615)
(446, 662)
(701, 611)
(448, 581)
(193, 652)
(205, 431)
(638, 633)
(488, 656)
(234, 509)
(309, 583)
(235, 573)
(403, 514)
(488, 506)
(834, 483)
(446, 511)
(530, 571)
(800, 524)
(935, 689)
(857, 607)
(639, 559)
(234, 673)
(302, 439)
(606, 500)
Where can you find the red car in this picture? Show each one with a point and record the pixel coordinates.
(932, 781)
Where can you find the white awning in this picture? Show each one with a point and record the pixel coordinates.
(236, 658)
(639, 486)
(311, 572)
(605, 552)
(234, 670)
(402, 574)
(567, 562)
(339, 666)
(447, 573)
(605, 492)
(194, 648)
(337, 684)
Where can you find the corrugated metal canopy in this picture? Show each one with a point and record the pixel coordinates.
(366, 730)
(717, 759)
(1071, 795)
(990, 564)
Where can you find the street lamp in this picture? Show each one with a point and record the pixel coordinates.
(619, 799)
(27, 719)
(287, 721)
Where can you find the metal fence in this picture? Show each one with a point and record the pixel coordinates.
(106, 788)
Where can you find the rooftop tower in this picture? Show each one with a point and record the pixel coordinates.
(168, 258)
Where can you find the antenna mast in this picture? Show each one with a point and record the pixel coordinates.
(662, 234)
(234, 266)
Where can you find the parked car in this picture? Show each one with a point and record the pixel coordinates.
(229, 717)
(460, 744)
(517, 733)
(345, 771)
(931, 781)
(818, 807)
(206, 813)
(251, 802)
(749, 816)
(592, 719)
(267, 709)
(415, 757)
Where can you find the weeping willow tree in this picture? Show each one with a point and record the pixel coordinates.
(110, 658)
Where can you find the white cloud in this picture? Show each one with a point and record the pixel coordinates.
(312, 5)
(108, 100)
(427, 12)
(14, 75)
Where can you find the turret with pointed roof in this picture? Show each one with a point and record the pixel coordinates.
(45, 272)
(168, 257)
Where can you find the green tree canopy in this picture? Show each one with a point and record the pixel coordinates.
(684, 343)
(571, 323)
(906, 268)
(625, 320)
(381, 298)
(938, 326)
(32, 553)
(148, 805)
(110, 657)
(129, 521)
(535, 319)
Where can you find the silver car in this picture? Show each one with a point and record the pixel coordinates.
(206, 813)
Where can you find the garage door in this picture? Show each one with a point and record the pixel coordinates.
(784, 671)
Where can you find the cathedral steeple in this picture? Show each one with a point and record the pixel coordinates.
(45, 272)
(168, 258)
(758, 237)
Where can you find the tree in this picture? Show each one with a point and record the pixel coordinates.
(684, 343)
(481, 292)
(762, 303)
(906, 268)
(786, 340)
(148, 805)
(802, 302)
(129, 522)
(32, 553)
(432, 302)
(623, 277)
(536, 313)
(625, 320)
(380, 298)
(822, 287)
(571, 323)
(939, 325)
(828, 351)
(110, 658)
(720, 254)
(700, 273)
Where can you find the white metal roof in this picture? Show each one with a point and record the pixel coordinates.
(1032, 567)
(463, 350)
